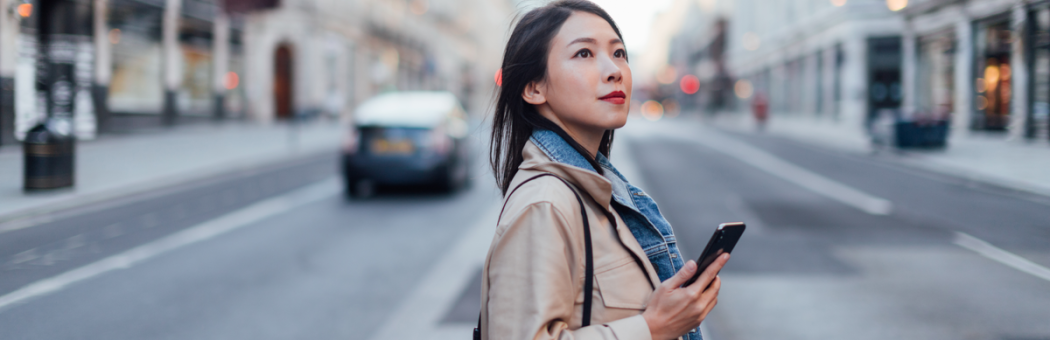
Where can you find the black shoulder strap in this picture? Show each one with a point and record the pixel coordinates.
(588, 281)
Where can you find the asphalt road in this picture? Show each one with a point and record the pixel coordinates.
(814, 268)
(809, 266)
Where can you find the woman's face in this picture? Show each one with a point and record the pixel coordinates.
(588, 83)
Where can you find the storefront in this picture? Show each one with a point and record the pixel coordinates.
(135, 88)
(1038, 56)
(935, 76)
(993, 74)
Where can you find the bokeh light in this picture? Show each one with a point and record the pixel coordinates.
(896, 5)
(690, 84)
(667, 75)
(743, 89)
(232, 80)
(652, 110)
(838, 3)
(25, 10)
(114, 36)
(671, 107)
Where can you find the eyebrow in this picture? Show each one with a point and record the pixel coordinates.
(592, 41)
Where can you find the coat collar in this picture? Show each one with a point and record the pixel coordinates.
(548, 152)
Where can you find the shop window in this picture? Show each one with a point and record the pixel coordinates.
(1039, 68)
(135, 35)
(935, 77)
(994, 74)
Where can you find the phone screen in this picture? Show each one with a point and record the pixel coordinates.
(721, 242)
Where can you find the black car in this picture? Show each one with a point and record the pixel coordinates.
(407, 138)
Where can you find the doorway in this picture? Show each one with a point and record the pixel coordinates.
(282, 82)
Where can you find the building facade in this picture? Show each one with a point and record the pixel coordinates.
(839, 60)
(985, 64)
(116, 65)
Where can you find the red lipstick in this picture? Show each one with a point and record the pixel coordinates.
(615, 97)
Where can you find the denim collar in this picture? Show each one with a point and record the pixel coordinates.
(560, 151)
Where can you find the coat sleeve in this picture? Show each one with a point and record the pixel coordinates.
(534, 278)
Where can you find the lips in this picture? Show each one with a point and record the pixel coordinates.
(615, 97)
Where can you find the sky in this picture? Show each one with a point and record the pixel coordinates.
(634, 17)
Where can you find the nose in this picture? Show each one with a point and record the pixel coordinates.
(611, 72)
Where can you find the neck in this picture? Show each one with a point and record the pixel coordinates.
(588, 137)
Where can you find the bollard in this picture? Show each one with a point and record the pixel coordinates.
(49, 155)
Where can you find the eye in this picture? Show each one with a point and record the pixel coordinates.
(620, 53)
(584, 53)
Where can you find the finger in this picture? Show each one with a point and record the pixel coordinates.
(710, 273)
(707, 309)
(712, 291)
(682, 275)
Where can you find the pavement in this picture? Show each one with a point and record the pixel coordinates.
(985, 157)
(841, 244)
(119, 165)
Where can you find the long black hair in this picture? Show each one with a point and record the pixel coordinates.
(524, 62)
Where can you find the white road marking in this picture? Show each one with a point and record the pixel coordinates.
(992, 252)
(419, 315)
(785, 170)
(204, 231)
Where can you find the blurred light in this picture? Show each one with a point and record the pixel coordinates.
(671, 108)
(743, 89)
(980, 85)
(991, 77)
(652, 110)
(838, 3)
(1004, 71)
(391, 58)
(419, 7)
(982, 103)
(751, 41)
(25, 10)
(690, 84)
(114, 36)
(896, 5)
(232, 80)
(667, 75)
(499, 77)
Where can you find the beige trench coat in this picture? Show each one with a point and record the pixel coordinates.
(532, 284)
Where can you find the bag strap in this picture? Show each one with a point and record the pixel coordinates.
(588, 281)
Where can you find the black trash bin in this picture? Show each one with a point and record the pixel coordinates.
(921, 134)
(49, 150)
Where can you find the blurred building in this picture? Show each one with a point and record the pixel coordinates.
(838, 59)
(984, 64)
(114, 65)
(698, 50)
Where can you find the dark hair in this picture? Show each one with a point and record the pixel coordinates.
(524, 62)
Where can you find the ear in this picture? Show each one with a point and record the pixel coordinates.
(534, 93)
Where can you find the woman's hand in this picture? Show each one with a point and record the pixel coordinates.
(674, 310)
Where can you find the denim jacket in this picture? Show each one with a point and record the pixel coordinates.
(637, 209)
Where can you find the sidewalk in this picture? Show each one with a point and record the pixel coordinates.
(1015, 164)
(114, 166)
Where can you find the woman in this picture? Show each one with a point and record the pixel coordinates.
(565, 87)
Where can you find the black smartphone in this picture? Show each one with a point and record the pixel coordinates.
(722, 241)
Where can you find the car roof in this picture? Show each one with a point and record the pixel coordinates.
(407, 109)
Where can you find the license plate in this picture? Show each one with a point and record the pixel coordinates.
(392, 147)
